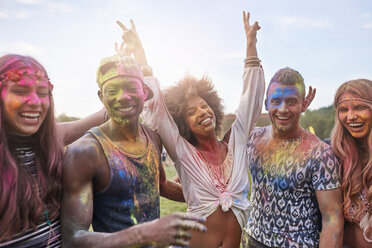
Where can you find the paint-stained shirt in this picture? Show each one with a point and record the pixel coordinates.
(285, 175)
(203, 193)
(132, 195)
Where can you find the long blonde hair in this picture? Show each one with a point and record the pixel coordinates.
(356, 168)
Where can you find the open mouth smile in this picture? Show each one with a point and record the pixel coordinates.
(206, 121)
(282, 118)
(31, 117)
(356, 125)
(125, 110)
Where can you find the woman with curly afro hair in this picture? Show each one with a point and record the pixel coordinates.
(352, 144)
(212, 172)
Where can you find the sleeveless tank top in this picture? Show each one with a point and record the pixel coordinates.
(132, 194)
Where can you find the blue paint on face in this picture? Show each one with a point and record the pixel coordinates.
(276, 98)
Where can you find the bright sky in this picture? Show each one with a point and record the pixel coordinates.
(328, 42)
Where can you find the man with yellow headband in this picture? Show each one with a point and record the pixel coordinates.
(113, 176)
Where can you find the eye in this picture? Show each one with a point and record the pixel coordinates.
(342, 110)
(111, 91)
(43, 93)
(275, 101)
(132, 90)
(190, 112)
(204, 106)
(20, 91)
(360, 107)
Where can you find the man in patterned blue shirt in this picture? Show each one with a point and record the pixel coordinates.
(296, 196)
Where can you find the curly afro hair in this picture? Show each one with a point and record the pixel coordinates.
(176, 97)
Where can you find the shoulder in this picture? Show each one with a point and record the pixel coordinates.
(83, 156)
(320, 150)
(258, 132)
(313, 140)
(154, 136)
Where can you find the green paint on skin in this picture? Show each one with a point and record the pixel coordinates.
(135, 222)
(85, 197)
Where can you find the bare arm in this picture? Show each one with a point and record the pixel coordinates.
(330, 205)
(82, 162)
(72, 130)
(170, 189)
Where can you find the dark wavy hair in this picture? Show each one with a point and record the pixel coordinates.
(21, 206)
(176, 96)
(356, 171)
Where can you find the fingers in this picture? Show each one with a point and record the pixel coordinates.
(181, 242)
(184, 216)
(192, 225)
(116, 48)
(132, 24)
(122, 26)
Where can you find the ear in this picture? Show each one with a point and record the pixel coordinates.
(266, 107)
(145, 91)
(99, 93)
(304, 105)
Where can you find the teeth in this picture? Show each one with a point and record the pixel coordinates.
(33, 115)
(125, 109)
(30, 119)
(356, 124)
(206, 120)
(282, 118)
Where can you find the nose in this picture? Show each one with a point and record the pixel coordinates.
(283, 108)
(125, 95)
(33, 99)
(202, 112)
(351, 115)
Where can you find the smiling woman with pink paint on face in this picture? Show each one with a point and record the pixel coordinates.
(25, 102)
(31, 152)
(352, 144)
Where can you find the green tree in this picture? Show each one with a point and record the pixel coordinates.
(322, 120)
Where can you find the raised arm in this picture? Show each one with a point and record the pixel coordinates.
(251, 99)
(70, 131)
(155, 113)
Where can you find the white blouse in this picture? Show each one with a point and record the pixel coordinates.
(200, 190)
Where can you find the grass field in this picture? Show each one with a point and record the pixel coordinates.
(168, 206)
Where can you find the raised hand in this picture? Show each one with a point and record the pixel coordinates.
(174, 229)
(250, 30)
(132, 42)
(309, 97)
(122, 51)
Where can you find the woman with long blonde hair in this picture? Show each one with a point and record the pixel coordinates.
(352, 144)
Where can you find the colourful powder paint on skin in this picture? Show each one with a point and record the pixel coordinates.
(285, 175)
(280, 94)
(133, 188)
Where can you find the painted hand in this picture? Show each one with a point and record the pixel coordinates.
(174, 229)
(309, 97)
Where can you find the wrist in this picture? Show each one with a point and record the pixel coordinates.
(146, 70)
(252, 61)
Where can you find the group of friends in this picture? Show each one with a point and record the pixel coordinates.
(273, 186)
